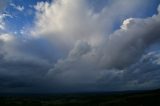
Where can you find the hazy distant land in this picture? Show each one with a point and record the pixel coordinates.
(141, 98)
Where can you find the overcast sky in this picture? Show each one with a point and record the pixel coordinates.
(79, 45)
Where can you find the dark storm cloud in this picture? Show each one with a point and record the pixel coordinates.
(122, 60)
(125, 46)
(112, 64)
(21, 68)
(22, 74)
(145, 73)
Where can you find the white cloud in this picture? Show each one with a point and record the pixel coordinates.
(127, 23)
(19, 8)
(67, 21)
(2, 23)
(6, 37)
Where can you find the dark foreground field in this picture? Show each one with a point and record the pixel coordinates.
(147, 98)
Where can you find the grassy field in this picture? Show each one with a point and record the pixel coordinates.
(147, 98)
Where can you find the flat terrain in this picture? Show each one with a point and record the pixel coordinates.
(146, 98)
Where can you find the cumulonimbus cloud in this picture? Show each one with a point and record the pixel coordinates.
(72, 47)
(110, 62)
(67, 21)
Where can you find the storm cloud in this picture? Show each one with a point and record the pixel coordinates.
(111, 62)
(74, 47)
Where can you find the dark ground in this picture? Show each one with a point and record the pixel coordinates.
(145, 98)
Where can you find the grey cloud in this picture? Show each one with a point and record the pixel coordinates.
(21, 76)
(3, 4)
(22, 68)
(124, 47)
(98, 61)
(113, 63)
(145, 73)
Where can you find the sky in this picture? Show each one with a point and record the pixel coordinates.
(51, 46)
